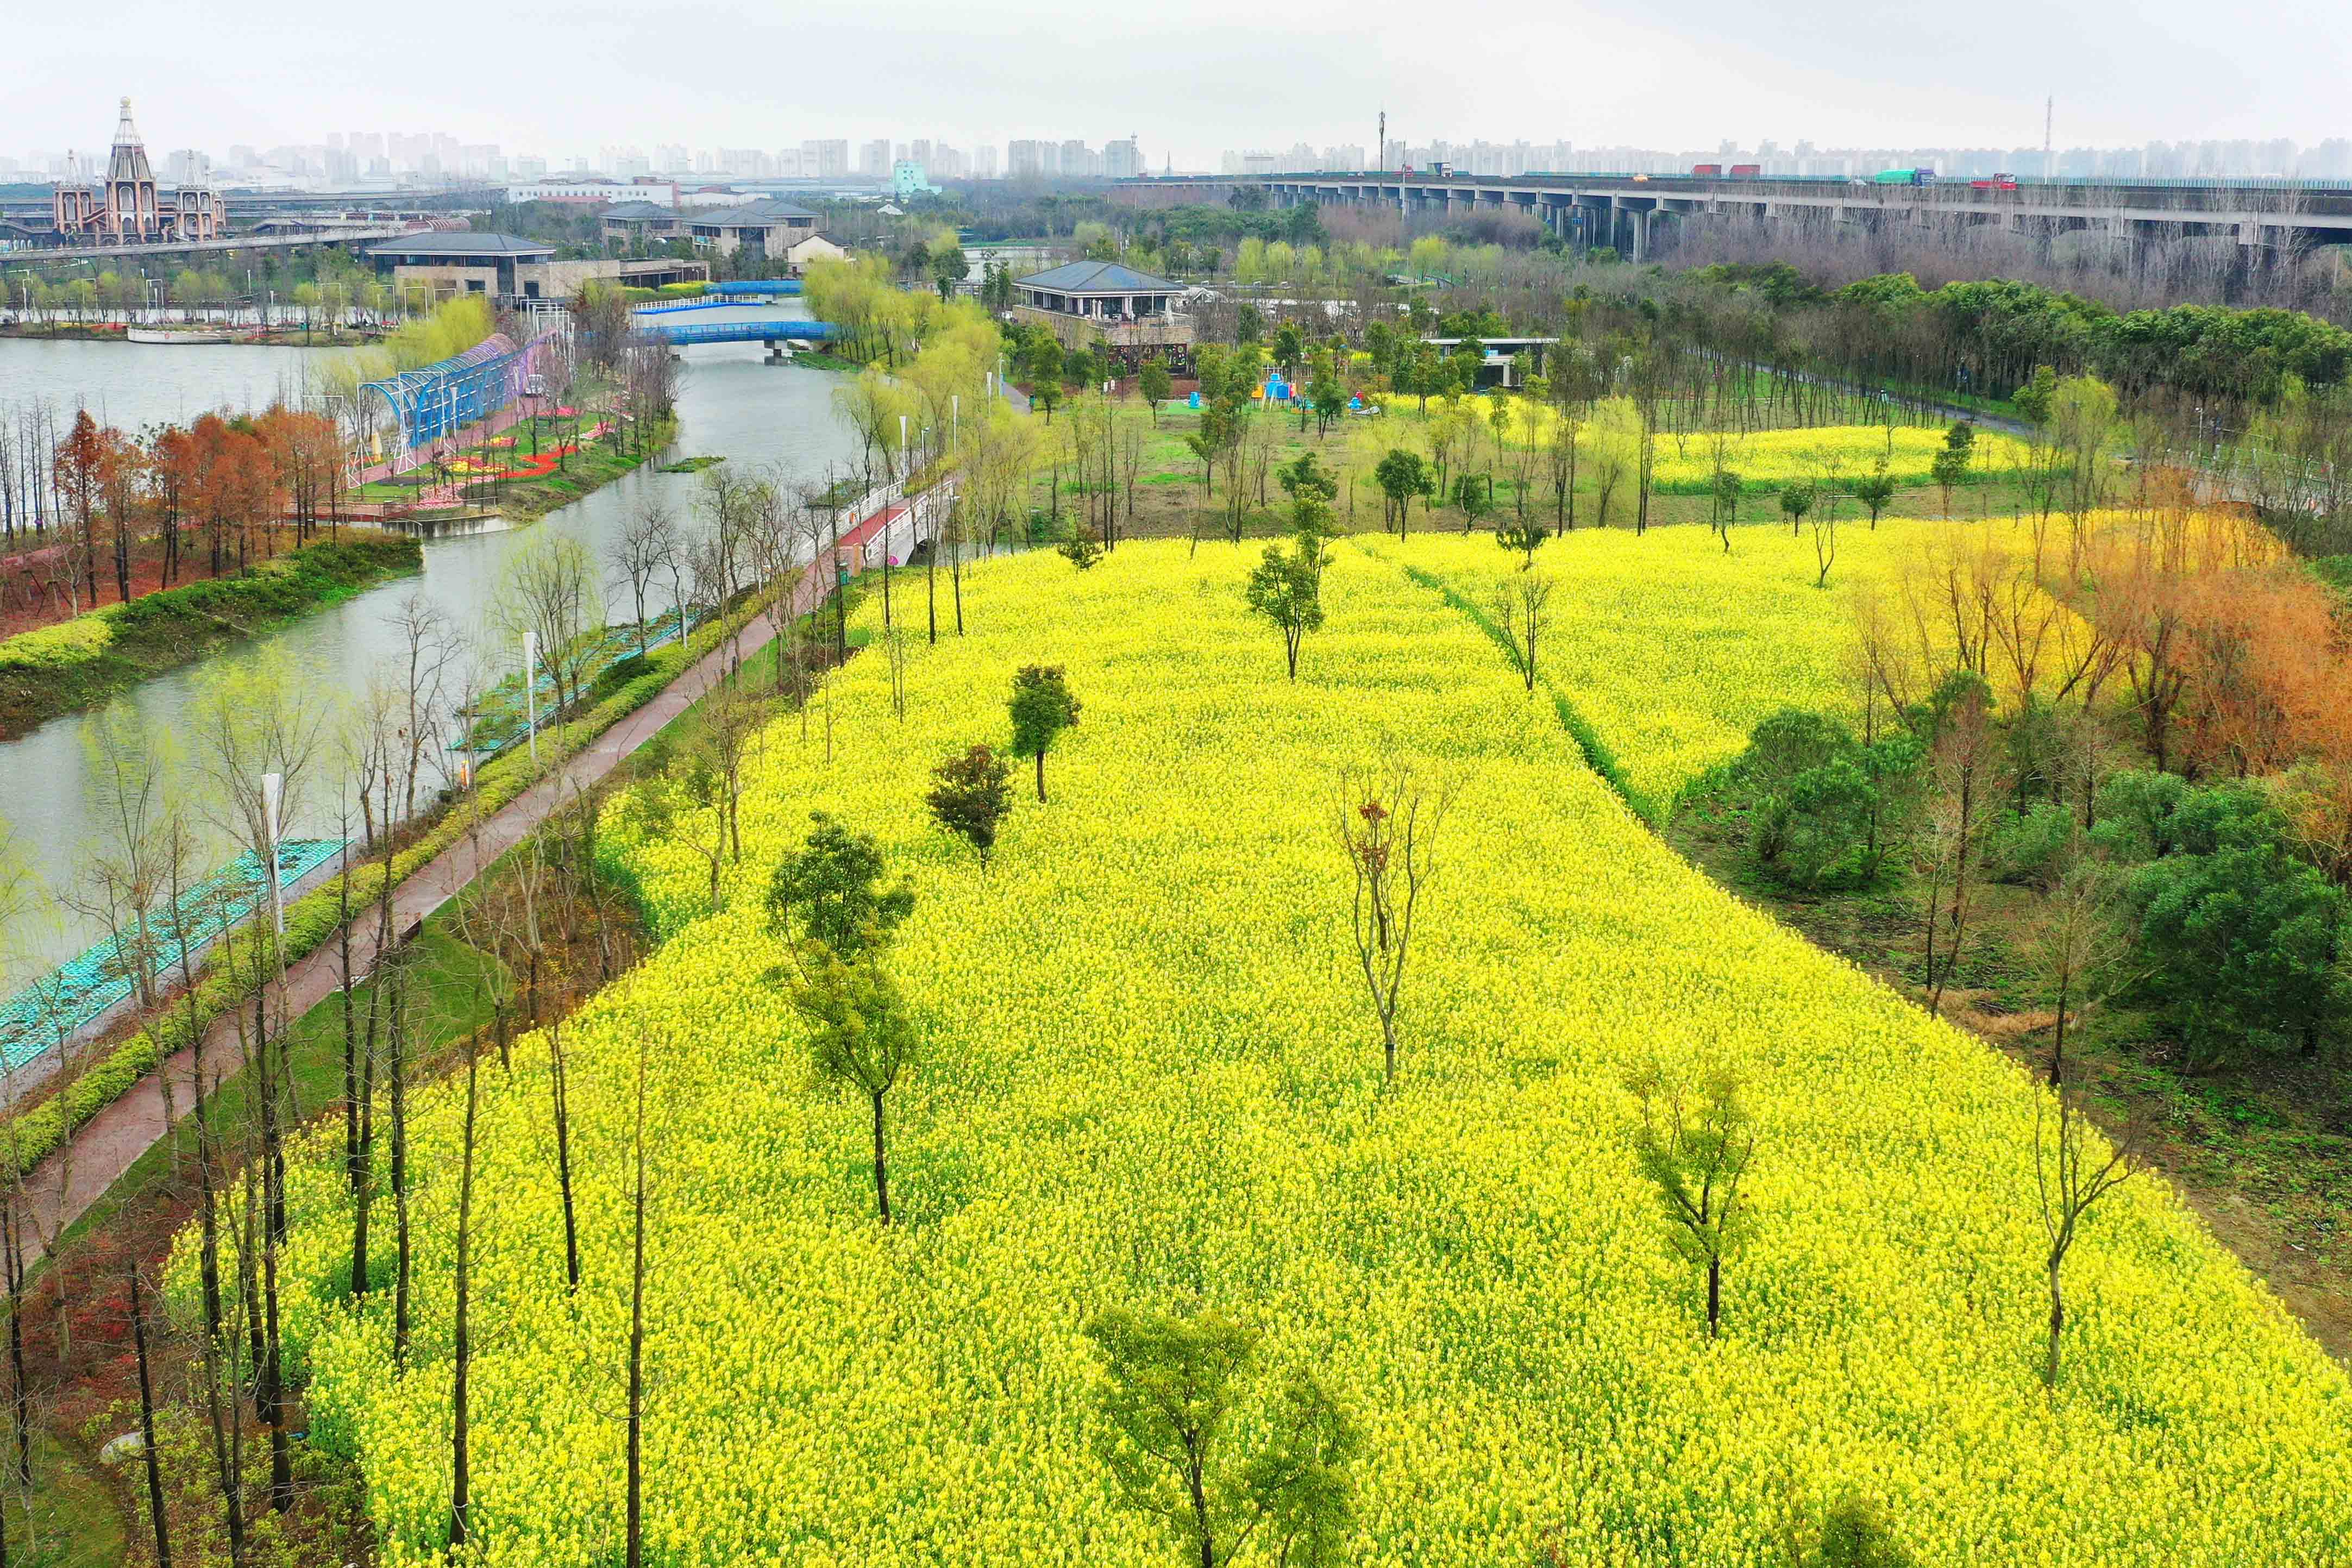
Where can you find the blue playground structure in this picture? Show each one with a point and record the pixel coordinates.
(58, 1005)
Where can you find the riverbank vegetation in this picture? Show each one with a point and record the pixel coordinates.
(516, 950)
(83, 662)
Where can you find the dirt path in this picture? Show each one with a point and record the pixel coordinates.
(62, 1188)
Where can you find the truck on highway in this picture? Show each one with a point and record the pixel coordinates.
(1746, 170)
(1707, 171)
(1906, 177)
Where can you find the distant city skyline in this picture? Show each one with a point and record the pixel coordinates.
(359, 159)
(1220, 75)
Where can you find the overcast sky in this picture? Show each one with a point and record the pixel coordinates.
(1189, 79)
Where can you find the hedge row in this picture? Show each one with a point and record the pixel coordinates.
(32, 1136)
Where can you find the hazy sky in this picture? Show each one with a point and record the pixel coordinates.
(1188, 78)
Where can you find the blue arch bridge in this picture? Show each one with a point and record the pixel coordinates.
(774, 332)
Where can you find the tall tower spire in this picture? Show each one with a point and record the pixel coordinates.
(132, 206)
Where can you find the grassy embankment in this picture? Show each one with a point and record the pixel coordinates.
(85, 661)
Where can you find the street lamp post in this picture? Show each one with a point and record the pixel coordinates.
(530, 691)
(273, 798)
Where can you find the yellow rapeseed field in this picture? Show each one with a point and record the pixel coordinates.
(1672, 649)
(1151, 1079)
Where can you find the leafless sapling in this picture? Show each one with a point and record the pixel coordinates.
(1386, 824)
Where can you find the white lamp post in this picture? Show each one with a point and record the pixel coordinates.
(273, 797)
(531, 690)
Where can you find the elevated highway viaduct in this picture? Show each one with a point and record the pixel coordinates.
(1626, 210)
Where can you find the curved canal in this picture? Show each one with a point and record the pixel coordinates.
(731, 405)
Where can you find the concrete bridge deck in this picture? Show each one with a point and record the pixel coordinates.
(1606, 208)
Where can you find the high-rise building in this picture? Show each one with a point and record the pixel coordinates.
(1079, 162)
(1025, 160)
(874, 159)
(831, 158)
(983, 160)
(1121, 160)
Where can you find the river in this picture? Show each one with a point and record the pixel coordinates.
(731, 405)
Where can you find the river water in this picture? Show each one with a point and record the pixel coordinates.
(731, 405)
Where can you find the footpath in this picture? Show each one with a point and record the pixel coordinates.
(62, 1188)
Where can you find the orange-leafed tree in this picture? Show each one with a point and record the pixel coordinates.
(76, 465)
(174, 472)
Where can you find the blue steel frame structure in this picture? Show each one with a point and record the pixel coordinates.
(441, 399)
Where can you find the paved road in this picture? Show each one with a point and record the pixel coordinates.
(62, 1188)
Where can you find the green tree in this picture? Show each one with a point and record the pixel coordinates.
(1796, 499)
(1155, 384)
(970, 798)
(1041, 708)
(1042, 362)
(1082, 548)
(1289, 349)
(1696, 1163)
(949, 267)
(1949, 467)
(1312, 488)
(1851, 1535)
(1287, 588)
(860, 1034)
(1404, 477)
(2037, 398)
(1170, 1387)
(1875, 489)
(1474, 495)
(829, 891)
(1326, 391)
(1526, 535)
(1723, 493)
(2239, 940)
(1248, 325)
(1425, 376)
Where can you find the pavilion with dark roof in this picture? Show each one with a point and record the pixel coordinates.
(1130, 315)
(1100, 290)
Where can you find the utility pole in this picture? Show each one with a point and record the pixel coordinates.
(2049, 112)
(1381, 147)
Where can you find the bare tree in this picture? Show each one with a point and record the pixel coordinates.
(1519, 603)
(1386, 823)
(637, 554)
(2070, 1177)
(1965, 765)
(551, 590)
